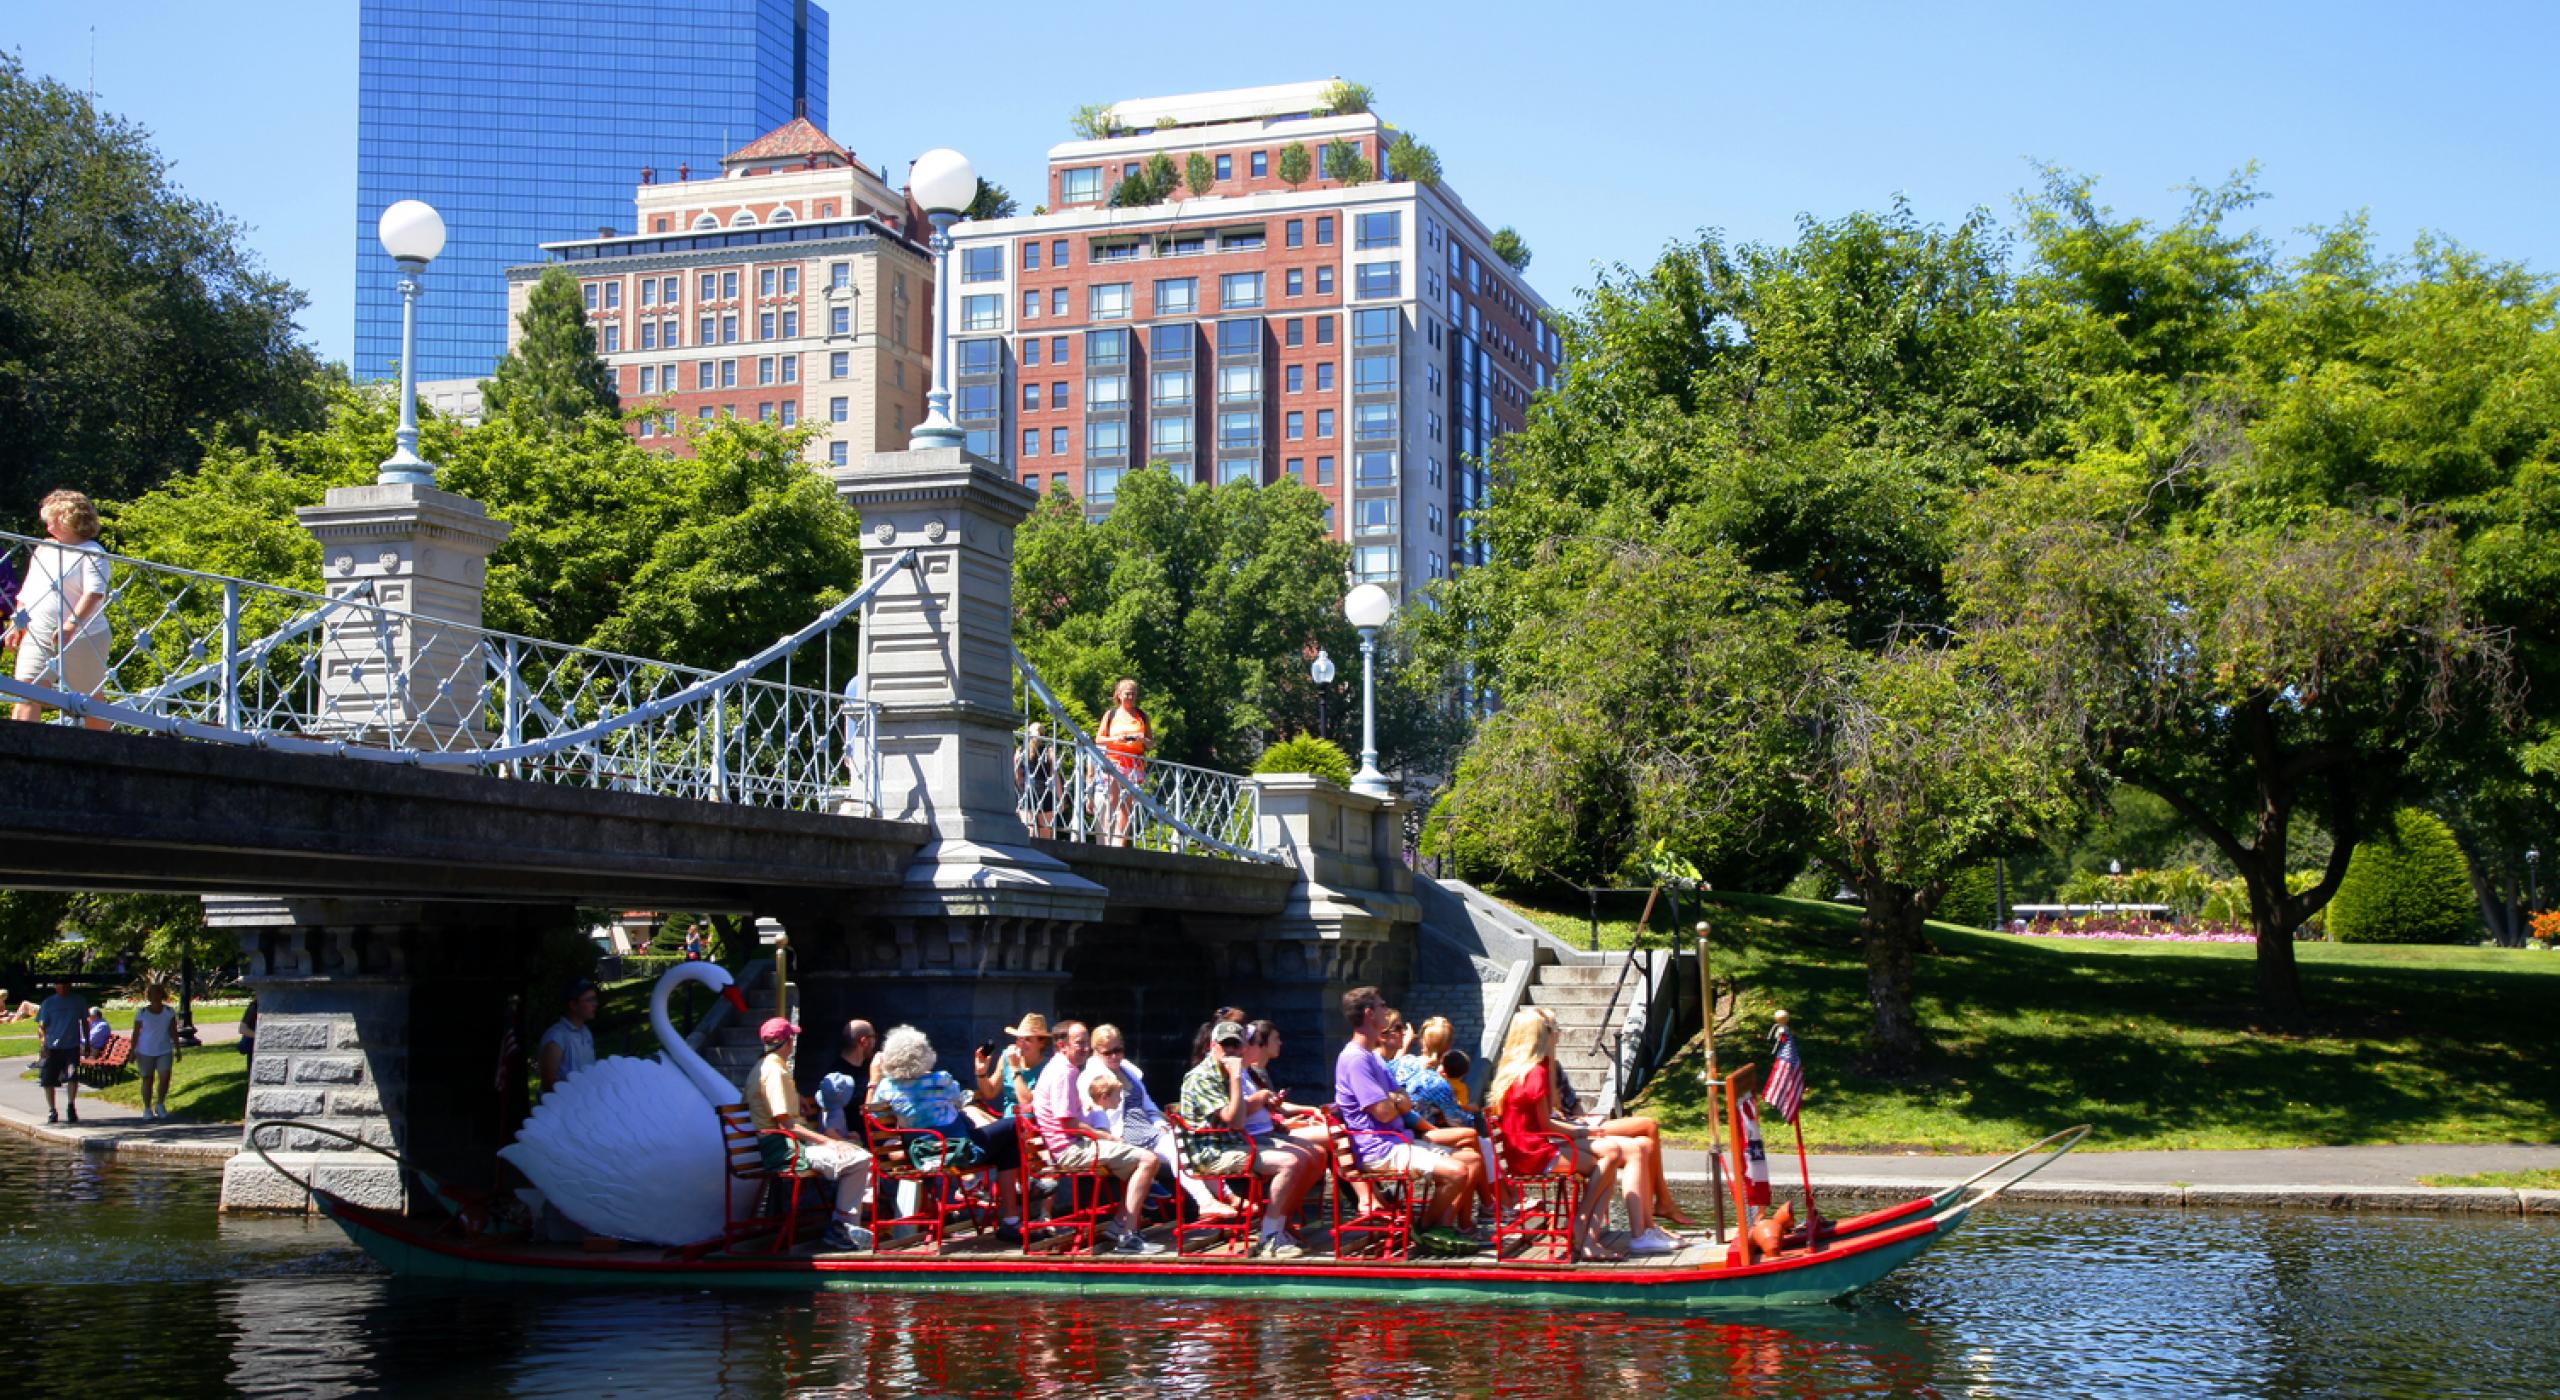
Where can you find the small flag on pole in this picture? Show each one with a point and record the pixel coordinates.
(1786, 1078)
(1753, 1170)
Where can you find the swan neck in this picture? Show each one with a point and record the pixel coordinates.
(706, 1080)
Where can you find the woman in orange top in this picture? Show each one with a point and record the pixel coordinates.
(1126, 735)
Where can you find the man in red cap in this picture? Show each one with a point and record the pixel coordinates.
(788, 1144)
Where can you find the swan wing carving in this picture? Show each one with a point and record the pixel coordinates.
(631, 1148)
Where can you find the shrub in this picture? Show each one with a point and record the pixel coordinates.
(1462, 853)
(2546, 927)
(2408, 885)
(1969, 897)
(1307, 754)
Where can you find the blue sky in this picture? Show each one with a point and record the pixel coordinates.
(1600, 130)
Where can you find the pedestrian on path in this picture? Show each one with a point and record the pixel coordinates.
(58, 1022)
(155, 1050)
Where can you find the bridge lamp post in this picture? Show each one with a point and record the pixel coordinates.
(412, 233)
(1321, 672)
(1368, 607)
(944, 185)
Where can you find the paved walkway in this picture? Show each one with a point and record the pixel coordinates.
(112, 1127)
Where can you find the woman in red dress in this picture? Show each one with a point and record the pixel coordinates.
(1523, 1099)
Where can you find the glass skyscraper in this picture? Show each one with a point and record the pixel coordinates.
(527, 121)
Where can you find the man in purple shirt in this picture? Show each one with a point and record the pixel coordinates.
(1365, 1094)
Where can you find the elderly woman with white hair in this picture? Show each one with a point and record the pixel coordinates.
(914, 1094)
(1114, 1095)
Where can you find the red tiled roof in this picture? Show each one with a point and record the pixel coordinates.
(796, 137)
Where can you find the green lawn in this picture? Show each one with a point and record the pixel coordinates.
(2153, 1043)
(19, 1037)
(2525, 1180)
(207, 1085)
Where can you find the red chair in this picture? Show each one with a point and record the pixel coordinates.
(1080, 1198)
(1232, 1236)
(739, 1140)
(1537, 1208)
(943, 1192)
(1387, 1225)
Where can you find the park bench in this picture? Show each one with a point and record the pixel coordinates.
(110, 1065)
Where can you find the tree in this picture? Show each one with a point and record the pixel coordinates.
(1214, 599)
(134, 321)
(2407, 886)
(1198, 174)
(1294, 166)
(1305, 753)
(552, 373)
(1344, 164)
(1411, 160)
(992, 202)
(1342, 99)
(1507, 243)
(1093, 121)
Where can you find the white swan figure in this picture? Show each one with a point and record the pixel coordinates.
(631, 1148)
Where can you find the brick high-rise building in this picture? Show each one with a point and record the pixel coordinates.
(1361, 338)
(791, 285)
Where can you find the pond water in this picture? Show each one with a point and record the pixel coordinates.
(120, 1279)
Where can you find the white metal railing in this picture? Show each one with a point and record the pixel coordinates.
(1068, 789)
(228, 660)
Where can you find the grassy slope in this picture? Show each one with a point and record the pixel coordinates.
(2524, 1180)
(2152, 1043)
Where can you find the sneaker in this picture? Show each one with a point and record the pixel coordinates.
(1278, 1247)
(1131, 1242)
(1656, 1241)
(1010, 1236)
(847, 1238)
(52, 1117)
(1443, 1240)
(73, 1116)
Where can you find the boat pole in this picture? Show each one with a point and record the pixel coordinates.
(1707, 1029)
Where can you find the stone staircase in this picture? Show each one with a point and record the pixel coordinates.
(731, 1046)
(1578, 994)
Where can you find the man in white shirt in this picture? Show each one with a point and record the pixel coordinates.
(60, 626)
(155, 1047)
(569, 1046)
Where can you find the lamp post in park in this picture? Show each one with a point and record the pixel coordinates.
(412, 233)
(1321, 672)
(944, 185)
(2533, 877)
(1368, 607)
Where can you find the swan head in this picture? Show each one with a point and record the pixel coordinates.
(709, 974)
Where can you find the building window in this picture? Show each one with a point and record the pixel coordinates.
(790, 412)
(1057, 301)
(791, 281)
(1057, 442)
(1294, 426)
(1240, 383)
(764, 281)
(1177, 296)
(1435, 518)
(790, 369)
(1324, 280)
(1324, 422)
(839, 365)
(1170, 342)
(591, 296)
(1374, 469)
(1106, 348)
(1324, 377)
(1296, 279)
(710, 286)
(1373, 327)
(648, 426)
(764, 326)
(1240, 337)
(1297, 376)
(1226, 167)
(836, 454)
(791, 325)
(1324, 477)
(981, 442)
(728, 286)
(710, 332)
(1172, 434)
(764, 371)
(1031, 350)
(1375, 421)
(1324, 230)
(981, 313)
(764, 413)
(648, 291)
(1373, 374)
(1374, 561)
(1324, 330)
(1031, 397)
(1105, 393)
(1382, 229)
(1374, 517)
(728, 374)
(1238, 291)
(648, 379)
(1057, 349)
(706, 374)
(1239, 431)
(1030, 443)
(1031, 255)
(981, 356)
(1172, 387)
(728, 330)
(839, 320)
(977, 401)
(1245, 469)
(648, 335)
(1380, 279)
(1058, 253)
(1106, 437)
(1109, 301)
(1261, 164)
(839, 276)
(1101, 483)
(1058, 394)
(1293, 332)
(986, 264)
(1031, 305)
(1294, 233)
(1080, 186)
(839, 409)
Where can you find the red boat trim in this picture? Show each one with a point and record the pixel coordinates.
(395, 1229)
(1872, 1219)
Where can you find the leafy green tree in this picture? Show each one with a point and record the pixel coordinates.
(1135, 192)
(1093, 122)
(1344, 164)
(134, 321)
(1411, 160)
(1344, 99)
(552, 373)
(991, 202)
(1295, 166)
(1213, 598)
(1507, 244)
(2408, 886)
(1198, 174)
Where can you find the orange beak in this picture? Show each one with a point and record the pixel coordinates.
(736, 999)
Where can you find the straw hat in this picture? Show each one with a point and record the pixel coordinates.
(1034, 1024)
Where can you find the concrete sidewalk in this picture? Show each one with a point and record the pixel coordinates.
(112, 1127)
(2318, 1178)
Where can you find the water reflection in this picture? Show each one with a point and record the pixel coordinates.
(125, 1282)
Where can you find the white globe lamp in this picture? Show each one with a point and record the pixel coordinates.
(1368, 608)
(412, 232)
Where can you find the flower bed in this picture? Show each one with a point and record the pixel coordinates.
(2133, 930)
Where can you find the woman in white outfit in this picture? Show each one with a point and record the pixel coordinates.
(59, 626)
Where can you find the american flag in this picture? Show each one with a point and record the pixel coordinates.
(1786, 1079)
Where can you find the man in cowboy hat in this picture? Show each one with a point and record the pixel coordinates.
(789, 1145)
(1005, 1078)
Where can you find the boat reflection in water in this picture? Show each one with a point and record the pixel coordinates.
(367, 1333)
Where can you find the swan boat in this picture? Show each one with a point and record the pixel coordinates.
(598, 1151)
